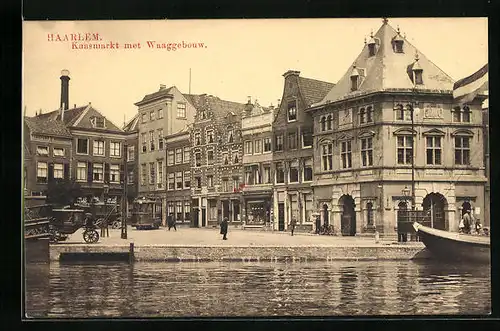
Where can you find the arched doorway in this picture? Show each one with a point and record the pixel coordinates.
(326, 221)
(434, 205)
(348, 219)
(465, 207)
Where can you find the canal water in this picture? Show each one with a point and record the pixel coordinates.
(256, 289)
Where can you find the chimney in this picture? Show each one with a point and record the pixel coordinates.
(162, 87)
(248, 106)
(64, 90)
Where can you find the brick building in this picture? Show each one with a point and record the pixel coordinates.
(160, 114)
(131, 130)
(216, 154)
(178, 175)
(293, 151)
(257, 194)
(365, 142)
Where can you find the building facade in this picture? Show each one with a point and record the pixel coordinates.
(292, 127)
(131, 130)
(366, 142)
(178, 176)
(160, 114)
(257, 136)
(216, 154)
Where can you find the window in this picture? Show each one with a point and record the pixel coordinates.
(130, 177)
(97, 122)
(159, 181)
(267, 174)
(197, 157)
(170, 157)
(369, 214)
(42, 150)
(403, 113)
(257, 146)
(210, 136)
(181, 110)
(226, 159)
(178, 208)
(292, 140)
(144, 117)
(369, 114)
(187, 211)
(236, 184)
(178, 155)
(371, 49)
(143, 174)
(151, 173)
(114, 173)
(160, 113)
(354, 83)
(327, 157)
(98, 172)
(308, 170)
(203, 114)
(462, 150)
(197, 179)
(58, 151)
(225, 187)
(171, 181)
(58, 171)
(81, 171)
(144, 142)
(362, 118)
(405, 149)
(249, 177)
(398, 46)
(267, 145)
(152, 115)
(187, 179)
(114, 149)
(171, 206)
(433, 150)
(280, 173)
(130, 153)
(293, 173)
(329, 122)
(345, 154)
(210, 180)
(292, 111)
(307, 139)
(99, 147)
(278, 143)
(160, 139)
(236, 159)
(248, 147)
(187, 154)
(462, 115)
(230, 135)
(418, 77)
(179, 183)
(41, 172)
(366, 152)
(197, 138)
(152, 140)
(322, 123)
(210, 157)
(82, 146)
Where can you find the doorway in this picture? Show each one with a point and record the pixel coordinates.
(203, 217)
(326, 220)
(281, 217)
(434, 205)
(348, 218)
(236, 210)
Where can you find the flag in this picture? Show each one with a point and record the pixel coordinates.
(466, 89)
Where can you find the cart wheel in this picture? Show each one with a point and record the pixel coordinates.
(117, 224)
(91, 236)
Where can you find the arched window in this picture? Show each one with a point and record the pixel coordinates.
(369, 214)
(361, 115)
(369, 114)
(323, 123)
(329, 122)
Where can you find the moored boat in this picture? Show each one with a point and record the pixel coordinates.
(454, 246)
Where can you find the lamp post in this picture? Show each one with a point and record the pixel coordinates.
(406, 195)
(124, 196)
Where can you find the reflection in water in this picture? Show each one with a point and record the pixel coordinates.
(255, 289)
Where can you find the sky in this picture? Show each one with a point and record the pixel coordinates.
(240, 58)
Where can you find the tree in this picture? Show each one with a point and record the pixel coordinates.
(63, 191)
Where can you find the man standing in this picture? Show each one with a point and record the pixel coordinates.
(223, 228)
(468, 222)
(171, 222)
(293, 223)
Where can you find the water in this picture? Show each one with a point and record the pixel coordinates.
(256, 289)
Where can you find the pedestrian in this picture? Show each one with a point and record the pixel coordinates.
(293, 222)
(171, 222)
(223, 228)
(468, 222)
(318, 224)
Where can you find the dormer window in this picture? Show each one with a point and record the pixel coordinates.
(417, 72)
(203, 114)
(398, 42)
(292, 111)
(230, 136)
(371, 45)
(98, 122)
(354, 79)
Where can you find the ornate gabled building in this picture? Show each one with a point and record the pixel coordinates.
(160, 114)
(365, 142)
(293, 151)
(216, 154)
(131, 130)
(257, 136)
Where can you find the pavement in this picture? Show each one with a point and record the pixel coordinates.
(236, 237)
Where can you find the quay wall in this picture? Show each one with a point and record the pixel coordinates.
(186, 253)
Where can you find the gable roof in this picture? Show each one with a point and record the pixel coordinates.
(161, 93)
(132, 124)
(70, 115)
(388, 70)
(313, 90)
(47, 126)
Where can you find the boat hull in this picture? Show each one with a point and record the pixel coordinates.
(453, 246)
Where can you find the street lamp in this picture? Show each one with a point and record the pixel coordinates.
(124, 197)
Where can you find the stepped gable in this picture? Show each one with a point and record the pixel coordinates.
(47, 126)
(217, 108)
(389, 70)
